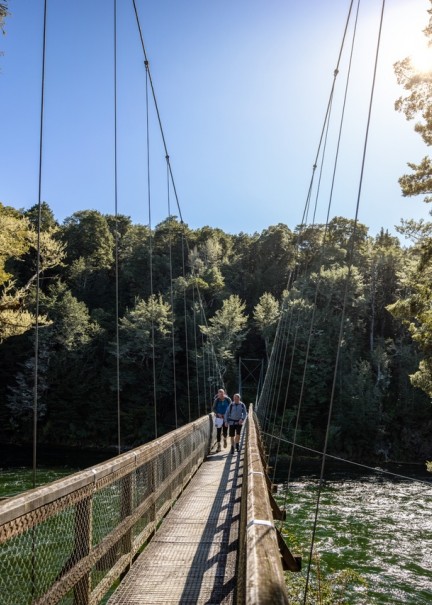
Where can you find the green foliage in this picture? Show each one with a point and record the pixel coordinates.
(413, 307)
(87, 235)
(266, 315)
(47, 220)
(149, 321)
(14, 238)
(215, 297)
(24, 257)
(226, 330)
(417, 104)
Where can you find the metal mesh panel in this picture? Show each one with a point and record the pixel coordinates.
(106, 511)
(144, 482)
(68, 542)
(32, 561)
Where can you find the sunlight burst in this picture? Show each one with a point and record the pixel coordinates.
(421, 58)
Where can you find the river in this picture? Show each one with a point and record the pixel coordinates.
(373, 538)
(373, 541)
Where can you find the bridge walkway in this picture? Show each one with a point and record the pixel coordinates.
(192, 559)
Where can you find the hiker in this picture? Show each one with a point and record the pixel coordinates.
(234, 418)
(220, 406)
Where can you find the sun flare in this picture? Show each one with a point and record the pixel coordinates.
(421, 58)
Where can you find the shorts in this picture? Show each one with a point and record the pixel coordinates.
(235, 429)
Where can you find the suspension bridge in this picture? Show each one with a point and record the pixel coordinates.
(191, 525)
(173, 520)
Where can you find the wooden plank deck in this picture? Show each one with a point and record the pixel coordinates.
(192, 559)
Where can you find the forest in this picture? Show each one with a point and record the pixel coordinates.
(159, 318)
(107, 324)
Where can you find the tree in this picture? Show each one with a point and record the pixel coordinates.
(21, 247)
(414, 309)
(14, 238)
(136, 328)
(145, 363)
(226, 330)
(87, 235)
(266, 315)
(417, 103)
(46, 215)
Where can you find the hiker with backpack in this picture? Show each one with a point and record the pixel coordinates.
(234, 419)
(220, 406)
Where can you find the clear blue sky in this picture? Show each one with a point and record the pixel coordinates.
(242, 88)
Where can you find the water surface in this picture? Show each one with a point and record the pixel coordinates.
(377, 527)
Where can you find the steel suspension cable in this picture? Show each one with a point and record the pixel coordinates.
(38, 267)
(150, 81)
(274, 390)
(323, 245)
(38, 252)
(116, 236)
(186, 327)
(196, 352)
(156, 106)
(324, 129)
(172, 300)
(427, 482)
(290, 370)
(326, 118)
(329, 104)
(152, 301)
(347, 282)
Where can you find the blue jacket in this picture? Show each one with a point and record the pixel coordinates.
(220, 406)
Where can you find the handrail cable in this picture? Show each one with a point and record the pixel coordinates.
(342, 319)
(360, 465)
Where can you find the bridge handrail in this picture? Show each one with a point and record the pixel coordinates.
(71, 539)
(261, 571)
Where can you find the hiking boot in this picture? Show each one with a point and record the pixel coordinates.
(218, 449)
(232, 449)
(225, 442)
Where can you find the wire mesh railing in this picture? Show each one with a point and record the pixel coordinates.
(69, 541)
